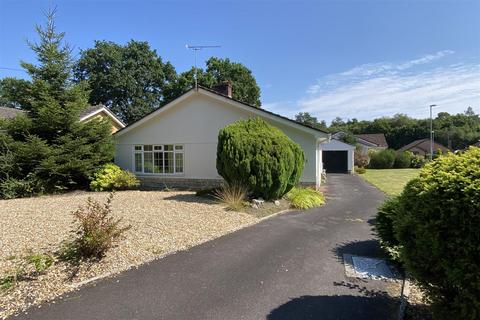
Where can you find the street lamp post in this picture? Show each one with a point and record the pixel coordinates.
(431, 131)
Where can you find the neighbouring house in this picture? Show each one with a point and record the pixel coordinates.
(338, 156)
(87, 115)
(422, 147)
(371, 141)
(100, 111)
(176, 145)
(9, 113)
(366, 141)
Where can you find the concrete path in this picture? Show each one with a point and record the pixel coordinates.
(286, 267)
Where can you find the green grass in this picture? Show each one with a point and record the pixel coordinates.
(390, 181)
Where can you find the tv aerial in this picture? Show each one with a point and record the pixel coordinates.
(195, 50)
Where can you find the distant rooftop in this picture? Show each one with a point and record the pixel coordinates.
(424, 145)
(9, 113)
(375, 138)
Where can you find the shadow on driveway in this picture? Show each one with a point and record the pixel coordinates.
(335, 308)
(368, 248)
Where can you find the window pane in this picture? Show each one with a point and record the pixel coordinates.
(179, 162)
(148, 162)
(168, 162)
(138, 162)
(168, 147)
(138, 148)
(157, 148)
(147, 148)
(158, 162)
(178, 147)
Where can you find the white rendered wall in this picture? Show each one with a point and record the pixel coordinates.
(195, 123)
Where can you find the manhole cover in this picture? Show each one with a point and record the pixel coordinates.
(371, 268)
(368, 268)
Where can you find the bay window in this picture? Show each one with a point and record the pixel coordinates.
(158, 159)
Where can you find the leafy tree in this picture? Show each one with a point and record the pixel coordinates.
(337, 122)
(49, 148)
(130, 79)
(244, 85)
(457, 131)
(12, 93)
(309, 120)
(349, 138)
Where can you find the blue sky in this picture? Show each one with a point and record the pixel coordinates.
(353, 59)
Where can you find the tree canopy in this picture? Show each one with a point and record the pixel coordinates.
(244, 85)
(455, 131)
(131, 79)
(309, 120)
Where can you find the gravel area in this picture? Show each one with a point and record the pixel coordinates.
(162, 223)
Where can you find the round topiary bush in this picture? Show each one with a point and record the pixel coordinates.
(260, 157)
(383, 159)
(437, 224)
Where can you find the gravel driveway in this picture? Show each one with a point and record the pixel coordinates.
(283, 268)
(162, 223)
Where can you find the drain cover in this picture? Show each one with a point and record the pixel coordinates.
(371, 268)
(368, 268)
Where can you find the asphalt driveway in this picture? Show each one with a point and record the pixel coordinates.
(286, 267)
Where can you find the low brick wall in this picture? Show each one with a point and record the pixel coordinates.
(178, 183)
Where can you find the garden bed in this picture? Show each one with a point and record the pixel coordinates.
(162, 223)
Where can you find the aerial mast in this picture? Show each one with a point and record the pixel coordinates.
(195, 49)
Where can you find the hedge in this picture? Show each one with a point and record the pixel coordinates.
(382, 159)
(436, 224)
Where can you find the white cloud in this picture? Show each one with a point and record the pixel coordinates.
(383, 89)
(371, 69)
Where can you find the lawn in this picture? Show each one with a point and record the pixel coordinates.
(390, 181)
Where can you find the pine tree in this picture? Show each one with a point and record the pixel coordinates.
(66, 151)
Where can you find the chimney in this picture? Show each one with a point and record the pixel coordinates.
(224, 88)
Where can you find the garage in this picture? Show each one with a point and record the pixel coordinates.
(337, 156)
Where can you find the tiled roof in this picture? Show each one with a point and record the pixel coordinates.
(375, 138)
(9, 113)
(424, 145)
(90, 109)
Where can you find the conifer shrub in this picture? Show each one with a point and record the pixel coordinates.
(260, 157)
(436, 223)
(47, 149)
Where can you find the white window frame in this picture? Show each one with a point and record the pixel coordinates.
(162, 150)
